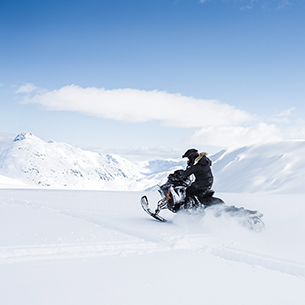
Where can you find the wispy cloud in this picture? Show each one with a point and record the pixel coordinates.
(268, 5)
(283, 3)
(284, 116)
(248, 4)
(285, 113)
(131, 105)
(230, 136)
(141, 153)
(217, 123)
(297, 130)
(275, 5)
(27, 88)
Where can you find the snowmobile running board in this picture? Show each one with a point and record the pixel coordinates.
(146, 208)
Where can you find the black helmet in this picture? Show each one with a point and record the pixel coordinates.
(191, 153)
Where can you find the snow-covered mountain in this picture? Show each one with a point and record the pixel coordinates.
(276, 166)
(30, 161)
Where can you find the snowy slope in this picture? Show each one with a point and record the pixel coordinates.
(276, 166)
(93, 247)
(35, 162)
(6, 182)
(267, 167)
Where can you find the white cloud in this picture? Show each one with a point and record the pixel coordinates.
(284, 117)
(131, 105)
(142, 153)
(217, 124)
(228, 136)
(296, 131)
(268, 5)
(285, 113)
(27, 88)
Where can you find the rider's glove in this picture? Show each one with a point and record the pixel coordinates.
(178, 172)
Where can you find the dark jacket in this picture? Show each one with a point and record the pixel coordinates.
(202, 171)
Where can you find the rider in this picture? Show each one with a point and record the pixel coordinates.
(200, 166)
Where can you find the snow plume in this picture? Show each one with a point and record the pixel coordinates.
(212, 220)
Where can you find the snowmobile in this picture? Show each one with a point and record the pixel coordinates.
(173, 198)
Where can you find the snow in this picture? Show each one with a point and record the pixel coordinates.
(34, 162)
(99, 247)
(265, 167)
(72, 230)
(6, 182)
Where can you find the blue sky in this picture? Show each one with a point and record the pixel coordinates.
(122, 75)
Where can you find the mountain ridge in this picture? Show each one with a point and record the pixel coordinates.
(264, 167)
(35, 162)
(272, 166)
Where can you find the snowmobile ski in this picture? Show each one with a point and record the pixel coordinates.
(174, 199)
(146, 208)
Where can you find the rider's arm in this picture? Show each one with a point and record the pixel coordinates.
(186, 173)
